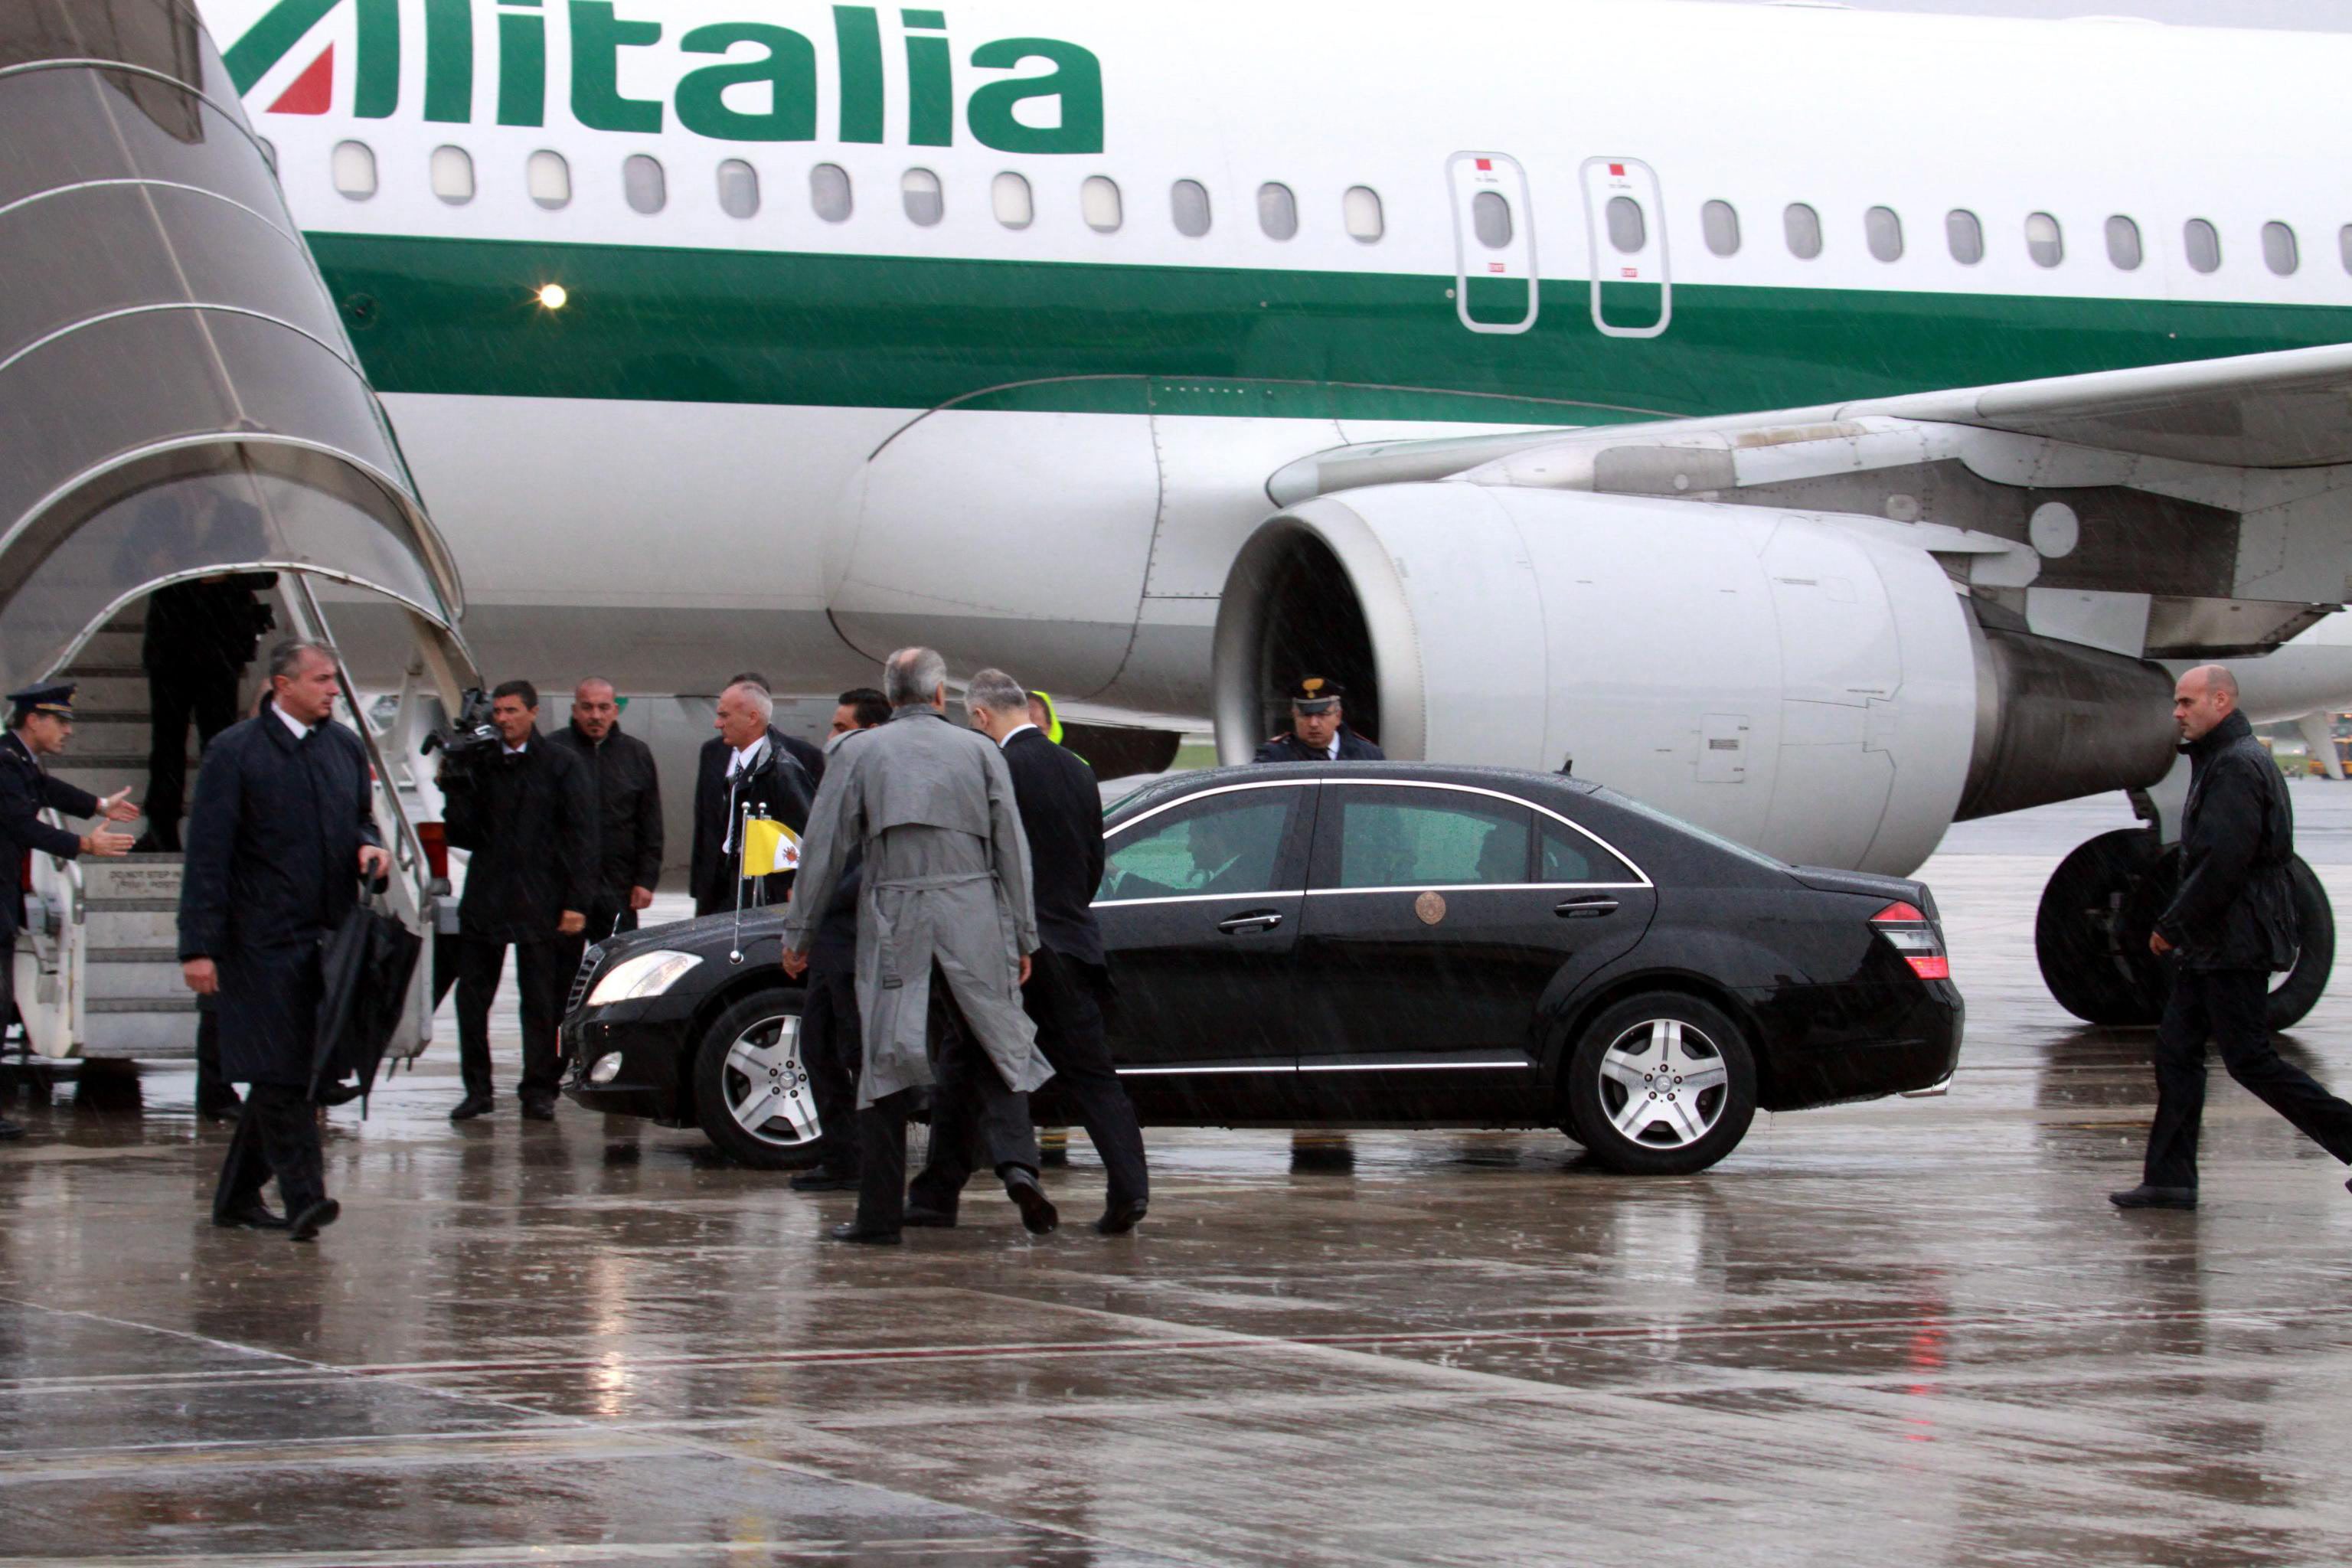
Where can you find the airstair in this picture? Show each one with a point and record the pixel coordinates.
(178, 398)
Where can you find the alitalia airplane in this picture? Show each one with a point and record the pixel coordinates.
(1821, 424)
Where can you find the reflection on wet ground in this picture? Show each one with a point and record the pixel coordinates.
(1904, 1331)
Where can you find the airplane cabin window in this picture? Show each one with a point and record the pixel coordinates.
(1490, 219)
(2280, 252)
(1883, 231)
(1188, 205)
(739, 188)
(2122, 243)
(1277, 211)
(2203, 243)
(453, 175)
(1009, 197)
(1802, 225)
(354, 169)
(829, 192)
(2043, 241)
(919, 193)
(643, 185)
(1361, 208)
(1627, 230)
(549, 179)
(1099, 205)
(1719, 222)
(1965, 234)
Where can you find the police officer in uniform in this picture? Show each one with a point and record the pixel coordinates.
(39, 727)
(1319, 729)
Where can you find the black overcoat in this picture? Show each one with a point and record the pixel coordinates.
(274, 836)
(782, 782)
(2235, 906)
(531, 823)
(1061, 813)
(628, 810)
(25, 790)
(1289, 748)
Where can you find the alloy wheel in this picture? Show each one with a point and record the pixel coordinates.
(1663, 1083)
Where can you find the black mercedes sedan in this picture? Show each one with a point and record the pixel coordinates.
(1379, 944)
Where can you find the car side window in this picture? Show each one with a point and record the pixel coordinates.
(1569, 857)
(1427, 838)
(1221, 843)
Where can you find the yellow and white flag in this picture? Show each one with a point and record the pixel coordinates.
(768, 847)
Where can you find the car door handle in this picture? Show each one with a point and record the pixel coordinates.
(1259, 919)
(1585, 908)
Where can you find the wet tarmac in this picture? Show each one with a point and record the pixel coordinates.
(1907, 1331)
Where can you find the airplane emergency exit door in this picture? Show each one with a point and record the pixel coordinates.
(1625, 234)
(1495, 283)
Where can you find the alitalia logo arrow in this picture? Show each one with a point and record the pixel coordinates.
(761, 83)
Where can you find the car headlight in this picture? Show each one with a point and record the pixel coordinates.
(646, 974)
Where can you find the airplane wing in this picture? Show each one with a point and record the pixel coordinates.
(2200, 509)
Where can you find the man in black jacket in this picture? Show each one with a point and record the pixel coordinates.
(832, 1046)
(2228, 927)
(281, 832)
(628, 817)
(1319, 729)
(529, 815)
(747, 762)
(1061, 814)
(199, 637)
(40, 726)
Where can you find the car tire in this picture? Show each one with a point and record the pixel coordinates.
(747, 1067)
(1629, 1099)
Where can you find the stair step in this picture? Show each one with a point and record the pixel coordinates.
(124, 692)
(154, 925)
(146, 978)
(115, 737)
(112, 647)
(95, 670)
(143, 877)
(148, 1030)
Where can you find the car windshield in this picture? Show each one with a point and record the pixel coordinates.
(1729, 846)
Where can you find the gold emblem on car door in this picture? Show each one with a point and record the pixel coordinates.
(1431, 908)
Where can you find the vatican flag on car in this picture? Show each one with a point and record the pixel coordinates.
(768, 847)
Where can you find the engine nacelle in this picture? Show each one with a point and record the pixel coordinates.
(1801, 684)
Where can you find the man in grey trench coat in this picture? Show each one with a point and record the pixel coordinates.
(945, 925)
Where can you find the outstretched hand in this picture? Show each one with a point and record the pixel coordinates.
(117, 807)
(106, 845)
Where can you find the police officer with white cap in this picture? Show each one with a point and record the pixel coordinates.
(1319, 729)
(39, 726)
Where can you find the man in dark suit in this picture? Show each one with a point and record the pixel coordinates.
(199, 637)
(748, 762)
(1319, 729)
(1061, 814)
(41, 725)
(628, 813)
(281, 831)
(2230, 924)
(529, 815)
(711, 762)
(832, 1046)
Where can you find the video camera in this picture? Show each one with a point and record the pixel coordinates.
(470, 736)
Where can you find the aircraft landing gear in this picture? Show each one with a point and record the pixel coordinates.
(2091, 933)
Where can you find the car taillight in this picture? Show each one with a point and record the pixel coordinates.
(1912, 935)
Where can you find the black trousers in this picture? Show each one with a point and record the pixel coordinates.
(605, 916)
(972, 1110)
(208, 695)
(833, 1051)
(211, 1088)
(2226, 1006)
(276, 1135)
(1063, 999)
(542, 982)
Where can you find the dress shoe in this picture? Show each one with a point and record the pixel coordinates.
(473, 1105)
(307, 1224)
(1120, 1218)
(539, 1109)
(929, 1219)
(9, 1130)
(224, 1105)
(254, 1215)
(2147, 1197)
(823, 1182)
(855, 1232)
(1038, 1215)
(339, 1093)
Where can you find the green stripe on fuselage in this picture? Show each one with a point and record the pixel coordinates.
(460, 317)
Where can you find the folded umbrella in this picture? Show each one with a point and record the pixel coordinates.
(366, 966)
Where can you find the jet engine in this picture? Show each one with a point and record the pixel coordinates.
(1812, 684)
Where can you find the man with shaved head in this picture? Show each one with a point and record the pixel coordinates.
(2228, 927)
(628, 812)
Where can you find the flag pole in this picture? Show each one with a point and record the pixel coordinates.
(742, 822)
